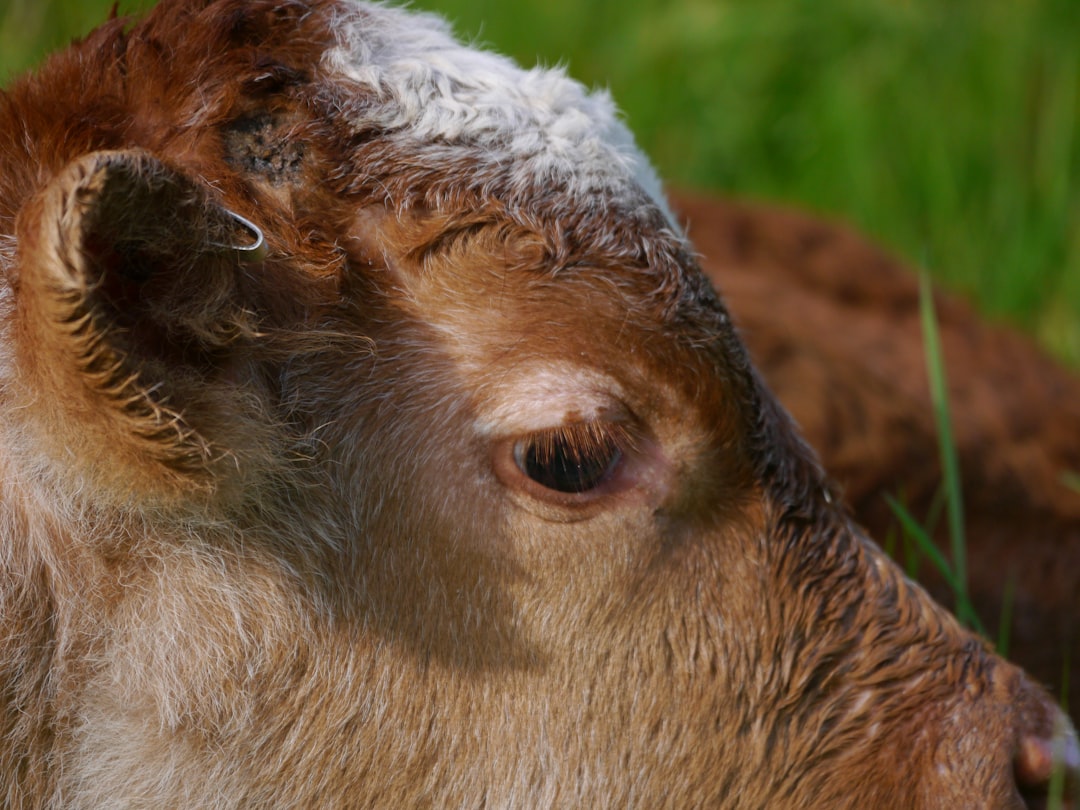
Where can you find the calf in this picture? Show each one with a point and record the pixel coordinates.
(370, 439)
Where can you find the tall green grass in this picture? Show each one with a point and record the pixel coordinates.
(29, 29)
(919, 535)
(950, 131)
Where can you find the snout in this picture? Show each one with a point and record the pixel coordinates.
(1004, 744)
(1046, 760)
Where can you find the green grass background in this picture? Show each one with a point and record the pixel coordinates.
(948, 130)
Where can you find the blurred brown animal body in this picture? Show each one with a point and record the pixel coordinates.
(833, 324)
(459, 492)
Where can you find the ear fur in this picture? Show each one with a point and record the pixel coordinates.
(129, 313)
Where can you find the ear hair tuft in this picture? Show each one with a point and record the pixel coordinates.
(129, 304)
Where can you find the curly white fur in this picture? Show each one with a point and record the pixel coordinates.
(434, 91)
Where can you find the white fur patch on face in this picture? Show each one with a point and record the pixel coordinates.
(436, 93)
(545, 396)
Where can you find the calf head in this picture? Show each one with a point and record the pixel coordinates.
(458, 491)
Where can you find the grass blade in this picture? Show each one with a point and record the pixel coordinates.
(1071, 480)
(918, 535)
(950, 467)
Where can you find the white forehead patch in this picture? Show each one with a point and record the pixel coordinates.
(436, 91)
(546, 396)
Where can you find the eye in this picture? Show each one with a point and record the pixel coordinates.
(572, 459)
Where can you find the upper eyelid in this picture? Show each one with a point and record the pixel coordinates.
(579, 432)
(619, 433)
(543, 396)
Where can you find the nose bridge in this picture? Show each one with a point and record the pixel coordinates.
(978, 723)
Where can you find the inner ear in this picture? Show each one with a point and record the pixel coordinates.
(150, 255)
(131, 306)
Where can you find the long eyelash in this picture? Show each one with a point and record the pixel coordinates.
(582, 440)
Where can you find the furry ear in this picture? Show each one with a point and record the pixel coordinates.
(129, 313)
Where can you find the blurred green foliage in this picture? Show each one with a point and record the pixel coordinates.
(29, 29)
(949, 131)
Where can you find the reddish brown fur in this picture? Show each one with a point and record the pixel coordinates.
(833, 324)
(267, 538)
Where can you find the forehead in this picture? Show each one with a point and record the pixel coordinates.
(507, 202)
(463, 149)
(522, 133)
(546, 323)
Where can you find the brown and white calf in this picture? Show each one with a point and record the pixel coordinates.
(457, 491)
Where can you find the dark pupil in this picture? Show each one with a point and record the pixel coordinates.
(562, 465)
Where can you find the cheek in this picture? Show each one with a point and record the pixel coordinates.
(573, 569)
